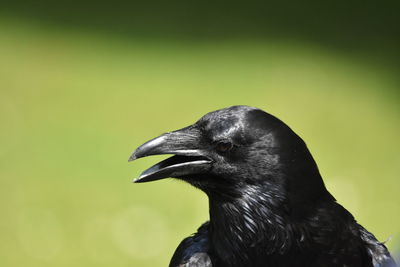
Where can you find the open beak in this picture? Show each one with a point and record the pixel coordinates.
(188, 159)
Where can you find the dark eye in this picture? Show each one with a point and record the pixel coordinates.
(224, 146)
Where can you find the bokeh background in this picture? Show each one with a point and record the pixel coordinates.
(84, 83)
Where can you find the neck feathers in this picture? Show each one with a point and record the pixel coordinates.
(253, 222)
(261, 222)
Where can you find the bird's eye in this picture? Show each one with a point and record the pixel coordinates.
(224, 146)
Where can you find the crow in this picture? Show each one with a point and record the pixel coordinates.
(268, 204)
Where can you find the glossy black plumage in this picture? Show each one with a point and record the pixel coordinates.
(268, 203)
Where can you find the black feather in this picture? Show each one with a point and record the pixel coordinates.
(268, 203)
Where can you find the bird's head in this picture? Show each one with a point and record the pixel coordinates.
(232, 148)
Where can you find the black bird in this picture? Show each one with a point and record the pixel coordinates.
(268, 203)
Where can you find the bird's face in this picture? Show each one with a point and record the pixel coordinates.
(228, 147)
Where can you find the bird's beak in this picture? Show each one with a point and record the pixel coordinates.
(188, 159)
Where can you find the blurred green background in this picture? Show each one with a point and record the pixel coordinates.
(84, 83)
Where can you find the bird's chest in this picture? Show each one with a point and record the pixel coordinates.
(254, 258)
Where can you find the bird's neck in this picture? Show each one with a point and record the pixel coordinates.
(264, 222)
(253, 221)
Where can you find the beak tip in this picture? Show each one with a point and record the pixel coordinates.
(132, 157)
(137, 180)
